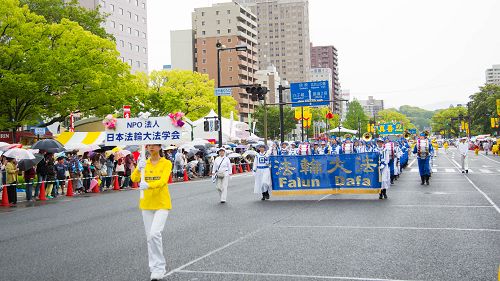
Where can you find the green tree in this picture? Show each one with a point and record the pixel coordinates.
(482, 107)
(420, 117)
(186, 91)
(355, 116)
(392, 115)
(273, 124)
(48, 70)
(55, 10)
(442, 120)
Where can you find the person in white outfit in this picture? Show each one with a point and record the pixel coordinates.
(262, 173)
(385, 172)
(463, 148)
(221, 170)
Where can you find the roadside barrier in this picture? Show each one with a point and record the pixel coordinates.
(69, 189)
(5, 197)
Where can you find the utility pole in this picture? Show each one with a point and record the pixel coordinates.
(265, 120)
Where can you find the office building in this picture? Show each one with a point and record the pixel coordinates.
(127, 21)
(230, 25)
(283, 35)
(344, 105)
(372, 106)
(493, 75)
(269, 78)
(181, 49)
(326, 56)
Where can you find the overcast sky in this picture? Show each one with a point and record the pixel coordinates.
(425, 53)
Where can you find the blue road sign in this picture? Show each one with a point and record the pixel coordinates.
(310, 93)
(223, 91)
(39, 131)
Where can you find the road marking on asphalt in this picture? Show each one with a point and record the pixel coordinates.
(490, 159)
(389, 227)
(289, 275)
(411, 163)
(414, 170)
(450, 170)
(486, 171)
(478, 189)
(441, 206)
(434, 170)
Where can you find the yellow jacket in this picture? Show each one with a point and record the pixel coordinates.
(156, 197)
(11, 172)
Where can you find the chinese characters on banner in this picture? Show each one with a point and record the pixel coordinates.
(390, 129)
(359, 171)
(137, 131)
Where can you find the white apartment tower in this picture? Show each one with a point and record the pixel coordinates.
(493, 75)
(283, 36)
(127, 21)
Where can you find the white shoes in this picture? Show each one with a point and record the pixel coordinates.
(155, 276)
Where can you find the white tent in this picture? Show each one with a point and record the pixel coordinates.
(232, 130)
(342, 130)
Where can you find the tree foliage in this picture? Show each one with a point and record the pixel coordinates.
(182, 90)
(442, 120)
(482, 107)
(355, 116)
(273, 124)
(52, 69)
(392, 115)
(55, 10)
(420, 117)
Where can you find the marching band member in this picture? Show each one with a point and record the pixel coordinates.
(262, 172)
(390, 147)
(362, 147)
(385, 173)
(304, 149)
(283, 151)
(347, 147)
(323, 149)
(463, 148)
(274, 149)
(423, 150)
(293, 149)
(398, 153)
(315, 149)
(333, 147)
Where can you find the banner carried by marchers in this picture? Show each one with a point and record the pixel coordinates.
(140, 131)
(326, 174)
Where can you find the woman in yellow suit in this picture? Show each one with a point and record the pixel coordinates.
(155, 204)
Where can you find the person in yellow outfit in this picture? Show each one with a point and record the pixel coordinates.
(155, 204)
(446, 145)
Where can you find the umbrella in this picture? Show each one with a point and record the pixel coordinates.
(212, 155)
(187, 147)
(49, 145)
(241, 146)
(234, 155)
(10, 146)
(74, 146)
(122, 153)
(104, 148)
(170, 147)
(27, 164)
(88, 148)
(19, 154)
(3, 144)
(250, 152)
(199, 142)
(132, 148)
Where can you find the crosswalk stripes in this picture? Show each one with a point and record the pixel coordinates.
(452, 170)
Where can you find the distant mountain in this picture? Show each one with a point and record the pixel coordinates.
(420, 117)
(441, 105)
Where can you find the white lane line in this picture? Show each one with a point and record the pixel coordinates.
(388, 227)
(486, 171)
(289, 275)
(478, 189)
(450, 170)
(434, 170)
(414, 170)
(490, 159)
(411, 163)
(441, 206)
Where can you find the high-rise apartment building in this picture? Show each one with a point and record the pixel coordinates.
(269, 78)
(344, 105)
(283, 30)
(127, 21)
(372, 106)
(181, 49)
(493, 75)
(231, 25)
(326, 56)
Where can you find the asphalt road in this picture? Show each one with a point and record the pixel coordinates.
(449, 230)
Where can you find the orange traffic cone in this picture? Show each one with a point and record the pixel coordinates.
(248, 168)
(234, 169)
(5, 197)
(135, 185)
(42, 197)
(170, 180)
(241, 168)
(96, 187)
(186, 178)
(69, 190)
(116, 185)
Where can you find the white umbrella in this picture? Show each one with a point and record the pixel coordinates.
(74, 146)
(170, 147)
(3, 144)
(187, 147)
(19, 154)
(199, 142)
(90, 147)
(122, 153)
(250, 152)
(234, 155)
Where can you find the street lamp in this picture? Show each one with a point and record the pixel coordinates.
(221, 48)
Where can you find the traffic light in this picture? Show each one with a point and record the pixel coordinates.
(257, 92)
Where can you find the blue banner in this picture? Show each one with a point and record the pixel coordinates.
(390, 129)
(351, 171)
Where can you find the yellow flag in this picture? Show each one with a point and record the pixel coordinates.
(493, 122)
(498, 107)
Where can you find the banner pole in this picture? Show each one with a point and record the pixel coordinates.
(143, 157)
